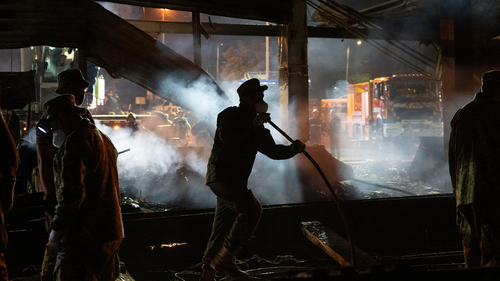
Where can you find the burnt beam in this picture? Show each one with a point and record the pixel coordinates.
(251, 30)
(336, 246)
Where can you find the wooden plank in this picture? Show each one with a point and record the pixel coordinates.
(336, 246)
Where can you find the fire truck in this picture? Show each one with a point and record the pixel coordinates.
(392, 108)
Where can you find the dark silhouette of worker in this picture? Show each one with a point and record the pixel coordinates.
(474, 162)
(334, 129)
(8, 167)
(316, 128)
(70, 81)
(87, 227)
(240, 134)
(111, 102)
(14, 125)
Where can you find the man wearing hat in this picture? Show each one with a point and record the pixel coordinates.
(70, 81)
(474, 162)
(240, 134)
(87, 226)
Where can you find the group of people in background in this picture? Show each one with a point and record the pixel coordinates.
(319, 129)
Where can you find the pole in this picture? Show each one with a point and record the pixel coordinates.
(267, 56)
(163, 19)
(218, 45)
(347, 67)
(196, 38)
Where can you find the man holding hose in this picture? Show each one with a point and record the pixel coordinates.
(239, 135)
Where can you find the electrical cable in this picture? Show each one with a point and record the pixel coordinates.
(330, 188)
(364, 22)
(378, 46)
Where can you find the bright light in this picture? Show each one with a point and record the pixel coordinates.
(359, 42)
(116, 127)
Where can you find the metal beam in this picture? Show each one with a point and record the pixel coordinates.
(249, 30)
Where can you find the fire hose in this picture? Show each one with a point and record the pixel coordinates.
(330, 188)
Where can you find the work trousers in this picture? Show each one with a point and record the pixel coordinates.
(237, 215)
(82, 261)
(480, 230)
(335, 146)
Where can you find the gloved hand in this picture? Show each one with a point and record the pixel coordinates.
(261, 118)
(298, 146)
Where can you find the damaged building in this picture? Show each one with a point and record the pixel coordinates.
(377, 209)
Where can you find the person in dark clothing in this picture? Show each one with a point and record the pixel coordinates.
(316, 128)
(72, 82)
(474, 162)
(334, 132)
(240, 134)
(111, 102)
(87, 227)
(8, 167)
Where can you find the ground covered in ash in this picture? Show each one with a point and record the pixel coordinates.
(371, 180)
(383, 179)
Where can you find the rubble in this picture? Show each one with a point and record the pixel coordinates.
(394, 175)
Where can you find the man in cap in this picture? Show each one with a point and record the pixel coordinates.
(8, 167)
(87, 227)
(474, 162)
(240, 134)
(70, 81)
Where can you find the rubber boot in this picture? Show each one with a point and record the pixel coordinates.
(224, 262)
(208, 273)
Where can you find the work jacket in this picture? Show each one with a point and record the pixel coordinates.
(87, 186)
(474, 152)
(236, 143)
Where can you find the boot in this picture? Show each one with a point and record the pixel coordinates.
(224, 262)
(208, 273)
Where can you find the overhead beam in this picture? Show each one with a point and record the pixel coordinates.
(277, 11)
(249, 30)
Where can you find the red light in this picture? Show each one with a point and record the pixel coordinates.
(116, 127)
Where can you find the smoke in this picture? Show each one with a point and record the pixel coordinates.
(337, 91)
(157, 172)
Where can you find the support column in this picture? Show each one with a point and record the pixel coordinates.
(293, 74)
(196, 38)
(457, 62)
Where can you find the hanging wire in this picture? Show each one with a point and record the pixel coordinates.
(334, 18)
(364, 22)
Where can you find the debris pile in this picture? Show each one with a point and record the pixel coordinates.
(382, 179)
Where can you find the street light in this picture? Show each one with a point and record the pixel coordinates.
(347, 65)
(163, 10)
